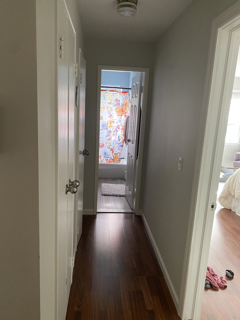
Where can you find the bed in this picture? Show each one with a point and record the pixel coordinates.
(230, 195)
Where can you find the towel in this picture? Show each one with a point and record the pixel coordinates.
(215, 280)
(125, 132)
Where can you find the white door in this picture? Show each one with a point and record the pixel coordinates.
(132, 138)
(80, 142)
(71, 152)
(66, 157)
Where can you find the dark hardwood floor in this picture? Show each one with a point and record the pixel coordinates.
(116, 274)
(224, 254)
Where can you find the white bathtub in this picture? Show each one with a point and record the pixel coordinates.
(113, 170)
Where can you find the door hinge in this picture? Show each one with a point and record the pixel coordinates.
(141, 90)
(72, 262)
(76, 96)
(61, 47)
(75, 70)
(80, 78)
(213, 206)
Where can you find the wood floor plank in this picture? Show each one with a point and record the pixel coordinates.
(224, 254)
(103, 315)
(119, 314)
(146, 293)
(146, 314)
(168, 295)
(134, 304)
(125, 299)
(158, 309)
(116, 275)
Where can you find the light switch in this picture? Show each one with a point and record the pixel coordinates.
(180, 163)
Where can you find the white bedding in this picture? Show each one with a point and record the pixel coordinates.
(236, 206)
(230, 195)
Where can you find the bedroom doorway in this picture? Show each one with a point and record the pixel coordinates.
(218, 97)
(122, 97)
(224, 252)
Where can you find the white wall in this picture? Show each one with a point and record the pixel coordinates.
(19, 200)
(74, 11)
(178, 86)
(231, 148)
(236, 84)
(228, 154)
(114, 53)
(115, 78)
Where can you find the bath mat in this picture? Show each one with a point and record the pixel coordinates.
(116, 190)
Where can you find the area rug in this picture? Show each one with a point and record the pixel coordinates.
(116, 190)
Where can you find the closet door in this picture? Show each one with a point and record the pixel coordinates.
(133, 131)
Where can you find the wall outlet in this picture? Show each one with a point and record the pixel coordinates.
(180, 163)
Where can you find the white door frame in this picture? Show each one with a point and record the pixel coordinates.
(142, 130)
(217, 95)
(78, 213)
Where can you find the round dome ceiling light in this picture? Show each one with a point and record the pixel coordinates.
(127, 8)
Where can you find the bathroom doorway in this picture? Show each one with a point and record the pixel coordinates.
(121, 122)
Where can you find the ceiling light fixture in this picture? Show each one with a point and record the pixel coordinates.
(127, 8)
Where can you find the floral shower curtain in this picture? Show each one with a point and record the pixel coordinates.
(114, 110)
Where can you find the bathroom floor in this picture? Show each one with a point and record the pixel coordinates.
(111, 204)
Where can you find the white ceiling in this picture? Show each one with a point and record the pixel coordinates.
(100, 19)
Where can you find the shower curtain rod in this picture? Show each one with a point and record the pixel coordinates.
(116, 88)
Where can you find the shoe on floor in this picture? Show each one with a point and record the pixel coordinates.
(207, 284)
(229, 273)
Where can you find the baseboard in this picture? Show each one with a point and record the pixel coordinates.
(162, 264)
(88, 212)
(138, 212)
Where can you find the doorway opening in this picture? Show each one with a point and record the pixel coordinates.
(219, 97)
(122, 104)
(224, 249)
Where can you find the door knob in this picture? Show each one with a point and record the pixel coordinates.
(86, 152)
(71, 189)
(74, 183)
(128, 140)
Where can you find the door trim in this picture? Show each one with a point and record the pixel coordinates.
(77, 231)
(217, 92)
(142, 131)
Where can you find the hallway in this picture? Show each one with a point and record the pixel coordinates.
(116, 274)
